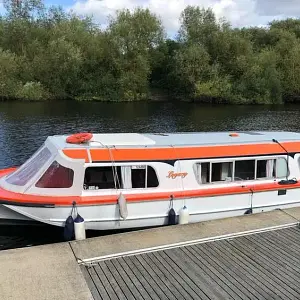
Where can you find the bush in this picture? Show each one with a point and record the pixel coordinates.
(32, 91)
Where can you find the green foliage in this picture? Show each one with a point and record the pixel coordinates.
(48, 53)
(239, 65)
(32, 91)
(9, 79)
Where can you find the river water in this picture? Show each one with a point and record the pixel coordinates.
(24, 127)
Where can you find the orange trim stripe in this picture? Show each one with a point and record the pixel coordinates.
(135, 154)
(77, 154)
(101, 200)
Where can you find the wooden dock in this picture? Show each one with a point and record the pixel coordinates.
(258, 266)
(248, 257)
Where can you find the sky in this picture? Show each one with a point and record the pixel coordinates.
(239, 12)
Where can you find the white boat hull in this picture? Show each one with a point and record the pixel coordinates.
(155, 213)
(9, 216)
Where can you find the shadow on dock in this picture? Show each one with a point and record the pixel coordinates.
(35, 234)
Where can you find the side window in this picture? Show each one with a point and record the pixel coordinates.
(152, 180)
(102, 178)
(265, 168)
(143, 177)
(244, 170)
(120, 177)
(138, 177)
(281, 167)
(202, 171)
(221, 171)
(56, 176)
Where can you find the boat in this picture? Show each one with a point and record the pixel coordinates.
(132, 180)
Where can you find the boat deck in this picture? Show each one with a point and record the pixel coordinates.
(258, 266)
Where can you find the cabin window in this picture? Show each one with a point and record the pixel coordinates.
(143, 177)
(202, 172)
(244, 170)
(102, 178)
(266, 168)
(221, 171)
(29, 169)
(56, 176)
(281, 167)
(138, 177)
(120, 177)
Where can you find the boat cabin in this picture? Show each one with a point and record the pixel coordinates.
(155, 161)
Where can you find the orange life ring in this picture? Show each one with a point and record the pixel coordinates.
(79, 138)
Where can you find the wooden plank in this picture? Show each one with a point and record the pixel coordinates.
(201, 252)
(119, 280)
(268, 263)
(185, 275)
(295, 230)
(130, 276)
(284, 240)
(169, 270)
(99, 275)
(141, 278)
(255, 269)
(281, 245)
(167, 286)
(245, 273)
(146, 262)
(110, 280)
(280, 255)
(215, 283)
(282, 277)
(195, 275)
(293, 233)
(97, 294)
(151, 277)
(268, 273)
(228, 266)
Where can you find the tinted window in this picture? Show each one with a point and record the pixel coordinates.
(57, 176)
(138, 178)
(265, 168)
(221, 171)
(143, 177)
(152, 180)
(102, 178)
(244, 170)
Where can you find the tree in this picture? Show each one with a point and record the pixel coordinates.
(135, 36)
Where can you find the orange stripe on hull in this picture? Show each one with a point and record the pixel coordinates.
(171, 153)
(101, 200)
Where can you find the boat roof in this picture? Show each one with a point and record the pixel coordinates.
(137, 140)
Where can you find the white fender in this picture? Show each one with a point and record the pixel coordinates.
(184, 216)
(79, 228)
(122, 206)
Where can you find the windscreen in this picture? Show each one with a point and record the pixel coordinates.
(27, 171)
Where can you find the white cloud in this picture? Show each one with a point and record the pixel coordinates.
(278, 7)
(238, 12)
(2, 9)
